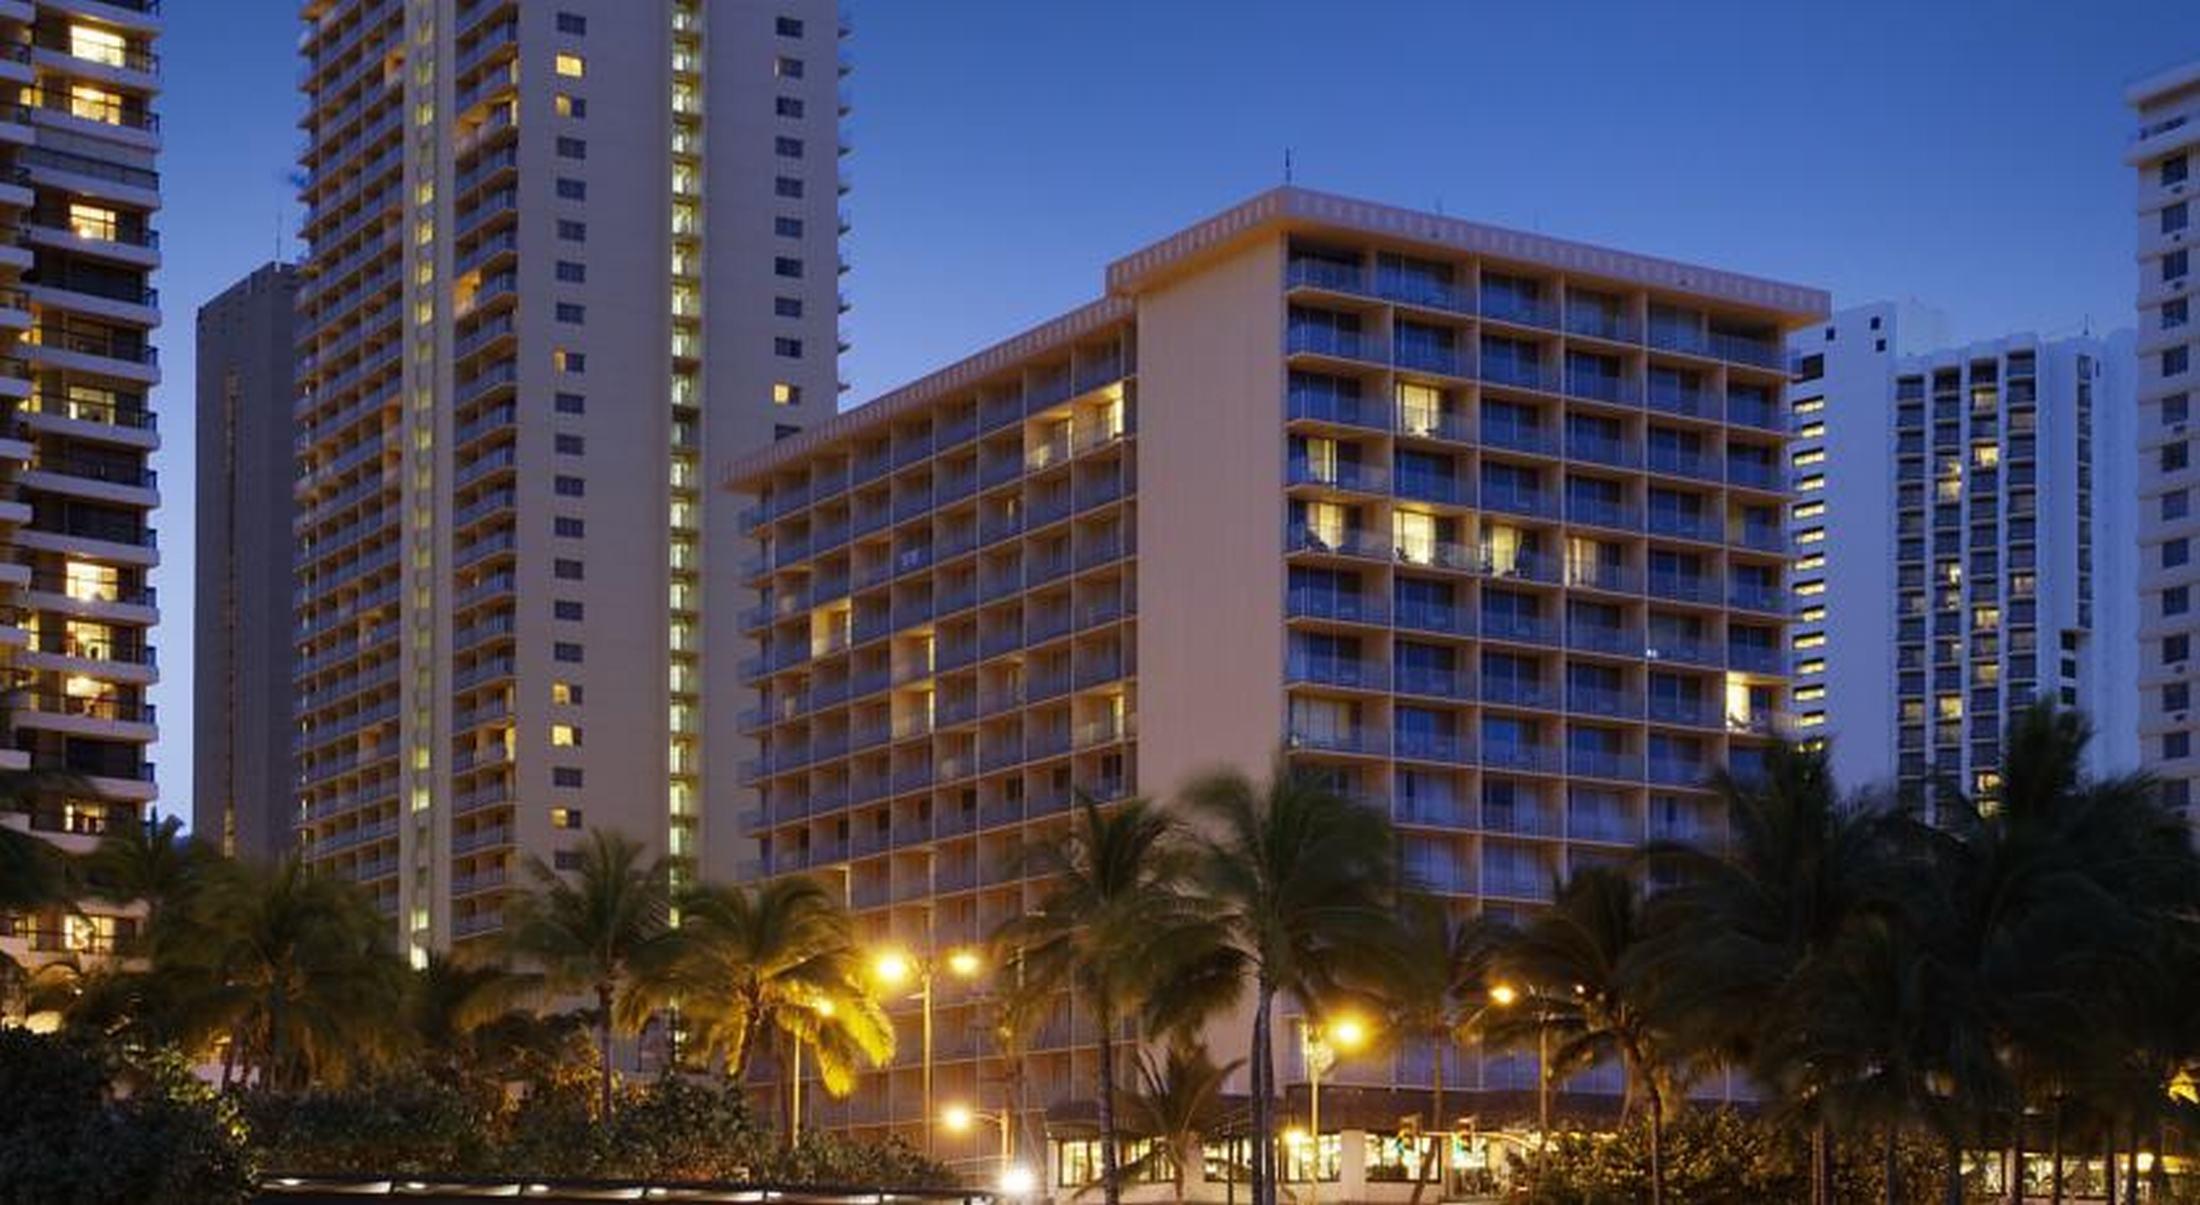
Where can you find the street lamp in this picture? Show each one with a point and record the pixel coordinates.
(1505, 995)
(894, 967)
(959, 1118)
(824, 1010)
(1320, 1045)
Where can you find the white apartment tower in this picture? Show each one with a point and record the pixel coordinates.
(2164, 151)
(1961, 547)
(78, 189)
(564, 258)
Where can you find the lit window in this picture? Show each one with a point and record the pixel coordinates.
(567, 105)
(1810, 589)
(97, 45)
(87, 582)
(1811, 535)
(1986, 456)
(95, 104)
(1815, 665)
(1948, 707)
(1808, 457)
(564, 736)
(1417, 536)
(1810, 719)
(1809, 405)
(1420, 407)
(786, 394)
(1807, 564)
(564, 693)
(1811, 431)
(571, 66)
(1809, 640)
(1811, 615)
(1810, 484)
(92, 221)
(565, 817)
(1810, 694)
(1809, 510)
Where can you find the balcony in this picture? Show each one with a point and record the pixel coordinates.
(1510, 691)
(1327, 406)
(1509, 755)
(1434, 682)
(1435, 617)
(1534, 503)
(1336, 605)
(1531, 629)
(1353, 543)
(1446, 747)
(1350, 476)
(1520, 437)
(1371, 741)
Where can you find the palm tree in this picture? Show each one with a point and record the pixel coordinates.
(748, 962)
(1584, 966)
(1115, 925)
(149, 861)
(450, 1006)
(1302, 883)
(1440, 994)
(1749, 930)
(588, 932)
(33, 874)
(1175, 1103)
(293, 968)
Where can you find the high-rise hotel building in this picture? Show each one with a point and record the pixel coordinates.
(2165, 152)
(78, 189)
(1483, 527)
(2003, 572)
(565, 256)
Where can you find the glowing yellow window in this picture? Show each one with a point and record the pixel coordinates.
(564, 736)
(1811, 589)
(1420, 407)
(1809, 405)
(1814, 482)
(1416, 536)
(1816, 665)
(564, 693)
(1949, 489)
(82, 638)
(1811, 719)
(87, 582)
(1807, 457)
(1806, 564)
(1809, 510)
(1809, 640)
(1811, 431)
(563, 103)
(571, 66)
(92, 221)
(1321, 460)
(1809, 694)
(1811, 615)
(1502, 547)
(1948, 707)
(1986, 618)
(785, 394)
(95, 45)
(1811, 535)
(565, 817)
(1986, 456)
(95, 104)
(1326, 522)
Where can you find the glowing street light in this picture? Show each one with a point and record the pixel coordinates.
(1018, 1181)
(959, 1118)
(1320, 1044)
(895, 967)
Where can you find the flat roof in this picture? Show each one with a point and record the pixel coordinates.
(2162, 83)
(1285, 210)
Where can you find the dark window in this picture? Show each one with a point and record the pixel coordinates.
(2176, 552)
(572, 273)
(572, 403)
(790, 27)
(783, 430)
(565, 608)
(2174, 170)
(787, 227)
(788, 67)
(570, 445)
(572, 313)
(2174, 218)
(787, 148)
(570, 189)
(570, 487)
(572, 361)
(2176, 456)
(2176, 600)
(2176, 696)
(2174, 265)
(789, 348)
(568, 569)
(572, 23)
(2176, 744)
(570, 231)
(785, 266)
(572, 148)
(2176, 408)
(2175, 360)
(787, 186)
(787, 307)
(566, 859)
(565, 651)
(2176, 648)
(565, 776)
(569, 527)
(787, 106)
(2176, 504)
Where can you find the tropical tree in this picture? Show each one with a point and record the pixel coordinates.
(589, 932)
(1175, 1103)
(1302, 884)
(150, 862)
(456, 1010)
(749, 963)
(1440, 994)
(34, 875)
(1589, 995)
(290, 968)
(1749, 932)
(1117, 926)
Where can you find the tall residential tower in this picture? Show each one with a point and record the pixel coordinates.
(78, 190)
(1482, 527)
(240, 693)
(2002, 573)
(565, 257)
(2165, 151)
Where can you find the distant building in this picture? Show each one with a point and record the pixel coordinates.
(1483, 528)
(2165, 153)
(1962, 548)
(564, 259)
(79, 182)
(241, 691)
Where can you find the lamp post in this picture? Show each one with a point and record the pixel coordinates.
(1319, 1045)
(895, 967)
(824, 1010)
(1504, 995)
(960, 1118)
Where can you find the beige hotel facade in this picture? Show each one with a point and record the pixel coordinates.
(1483, 526)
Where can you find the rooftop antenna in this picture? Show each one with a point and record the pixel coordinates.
(1287, 166)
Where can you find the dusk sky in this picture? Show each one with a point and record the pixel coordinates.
(1963, 154)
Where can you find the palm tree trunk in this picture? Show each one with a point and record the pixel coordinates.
(1952, 1183)
(2015, 1186)
(1819, 1193)
(2158, 1175)
(1890, 1168)
(2055, 1157)
(603, 1046)
(2108, 1163)
(1657, 1146)
(1263, 1113)
(2131, 1165)
(1434, 1134)
(1111, 1185)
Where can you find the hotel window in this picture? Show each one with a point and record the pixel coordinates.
(1809, 510)
(1416, 536)
(788, 27)
(785, 266)
(2176, 745)
(565, 818)
(1807, 564)
(2176, 456)
(92, 222)
(787, 67)
(2176, 696)
(2176, 552)
(1807, 457)
(785, 348)
(1420, 407)
(787, 106)
(1809, 640)
(788, 187)
(564, 736)
(1985, 456)
(1326, 523)
(564, 693)
(2174, 218)
(95, 104)
(1815, 665)
(1811, 535)
(1810, 694)
(787, 307)
(2175, 648)
(571, 66)
(569, 105)
(572, 23)
(1808, 405)
(1811, 615)
(2174, 169)
(571, 148)
(568, 361)
(2176, 408)
(787, 227)
(1811, 431)
(2176, 504)
(785, 394)
(87, 582)
(1810, 589)
(2176, 600)
(787, 148)
(2174, 265)
(98, 45)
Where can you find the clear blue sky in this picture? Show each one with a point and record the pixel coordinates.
(1965, 154)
